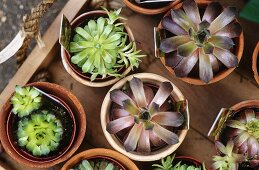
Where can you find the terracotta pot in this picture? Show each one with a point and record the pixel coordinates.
(255, 63)
(236, 108)
(75, 72)
(238, 51)
(77, 110)
(149, 11)
(113, 139)
(113, 156)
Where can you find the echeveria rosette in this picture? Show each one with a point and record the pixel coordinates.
(245, 133)
(228, 159)
(25, 100)
(167, 164)
(102, 47)
(145, 115)
(40, 133)
(91, 165)
(206, 40)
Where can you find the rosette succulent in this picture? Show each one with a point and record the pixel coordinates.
(99, 165)
(25, 100)
(40, 133)
(245, 133)
(228, 159)
(102, 47)
(167, 164)
(146, 115)
(205, 41)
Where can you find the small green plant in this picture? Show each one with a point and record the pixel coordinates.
(102, 47)
(40, 133)
(167, 164)
(25, 100)
(145, 115)
(228, 159)
(205, 40)
(98, 165)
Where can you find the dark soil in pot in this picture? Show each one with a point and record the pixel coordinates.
(122, 135)
(64, 114)
(82, 20)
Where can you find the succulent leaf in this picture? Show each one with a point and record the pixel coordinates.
(140, 114)
(25, 100)
(95, 165)
(40, 133)
(102, 47)
(212, 35)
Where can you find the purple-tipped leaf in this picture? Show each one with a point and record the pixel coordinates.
(181, 18)
(214, 63)
(172, 26)
(163, 93)
(187, 49)
(227, 16)
(250, 115)
(226, 57)
(192, 11)
(137, 89)
(119, 124)
(153, 108)
(186, 65)
(149, 94)
(118, 113)
(154, 139)
(220, 147)
(236, 124)
(130, 143)
(240, 139)
(170, 44)
(144, 143)
(166, 135)
(172, 59)
(130, 107)
(118, 96)
(243, 148)
(222, 42)
(212, 11)
(205, 68)
(253, 147)
(232, 30)
(174, 119)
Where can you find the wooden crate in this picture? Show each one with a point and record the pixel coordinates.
(204, 101)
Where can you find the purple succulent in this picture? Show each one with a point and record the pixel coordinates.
(245, 133)
(204, 39)
(147, 117)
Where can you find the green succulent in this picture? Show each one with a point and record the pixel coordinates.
(167, 164)
(102, 47)
(40, 133)
(99, 165)
(25, 100)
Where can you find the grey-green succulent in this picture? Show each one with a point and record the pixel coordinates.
(102, 47)
(40, 133)
(167, 164)
(98, 165)
(25, 100)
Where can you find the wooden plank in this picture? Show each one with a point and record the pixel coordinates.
(40, 57)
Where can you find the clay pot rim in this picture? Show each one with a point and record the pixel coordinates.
(240, 106)
(189, 159)
(45, 159)
(219, 76)
(78, 76)
(81, 120)
(254, 63)
(125, 161)
(148, 11)
(112, 139)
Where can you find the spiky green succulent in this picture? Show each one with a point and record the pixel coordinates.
(25, 100)
(228, 159)
(98, 165)
(40, 133)
(206, 40)
(102, 47)
(167, 164)
(145, 115)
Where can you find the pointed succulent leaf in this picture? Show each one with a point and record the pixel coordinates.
(172, 26)
(173, 59)
(174, 119)
(226, 57)
(119, 124)
(144, 143)
(130, 143)
(118, 113)
(232, 30)
(163, 93)
(154, 139)
(171, 44)
(182, 19)
(205, 72)
(118, 97)
(148, 93)
(214, 63)
(137, 89)
(212, 11)
(222, 42)
(187, 49)
(166, 135)
(191, 9)
(130, 107)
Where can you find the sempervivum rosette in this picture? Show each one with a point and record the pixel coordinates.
(145, 115)
(205, 41)
(245, 133)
